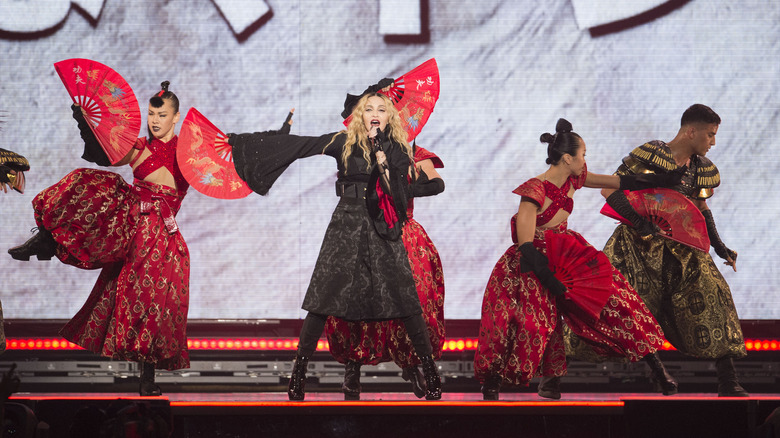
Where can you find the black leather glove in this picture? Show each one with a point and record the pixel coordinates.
(422, 186)
(651, 180)
(536, 262)
(93, 152)
(4, 172)
(642, 225)
(720, 248)
(285, 129)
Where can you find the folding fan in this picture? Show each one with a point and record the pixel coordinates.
(206, 160)
(672, 212)
(108, 103)
(414, 94)
(585, 271)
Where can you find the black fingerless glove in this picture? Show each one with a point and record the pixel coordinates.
(651, 180)
(285, 129)
(93, 152)
(422, 186)
(720, 248)
(642, 225)
(536, 262)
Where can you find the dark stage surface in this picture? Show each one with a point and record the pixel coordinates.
(398, 415)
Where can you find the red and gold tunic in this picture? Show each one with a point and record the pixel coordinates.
(137, 310)
(521, 331)
(370, 343)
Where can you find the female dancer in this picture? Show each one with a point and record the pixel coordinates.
(93, 219)
(361, 273)
(360, 343)
(520, 333)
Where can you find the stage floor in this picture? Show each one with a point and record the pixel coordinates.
(380, 415)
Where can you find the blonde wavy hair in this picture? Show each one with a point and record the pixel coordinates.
(357, 134)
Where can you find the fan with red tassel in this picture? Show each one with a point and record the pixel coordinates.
(206, 160)
(109, 104)
(678, 218)
(585, 271)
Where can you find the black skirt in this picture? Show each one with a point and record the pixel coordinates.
(359, 275)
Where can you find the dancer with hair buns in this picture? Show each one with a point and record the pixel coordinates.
(525, 305)
(93, 219)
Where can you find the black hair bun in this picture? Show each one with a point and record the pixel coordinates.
(164, 85)
(562, 126)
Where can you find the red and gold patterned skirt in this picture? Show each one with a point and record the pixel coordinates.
(521, 331)
(137, 310)
(372, 342)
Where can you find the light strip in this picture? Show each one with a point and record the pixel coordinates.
(291, 344)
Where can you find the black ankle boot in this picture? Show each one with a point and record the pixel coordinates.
(148, 387)
(728, 385)
(432, 379)
(414, 375)
(662, 378)
(295, 391)
(491, 388)
(549, 387)
(351, 386)
(41, 245)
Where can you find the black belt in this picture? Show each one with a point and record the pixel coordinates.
(351, 190)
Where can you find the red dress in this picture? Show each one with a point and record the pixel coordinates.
(137, 310)
(372, 342)
(521, 331)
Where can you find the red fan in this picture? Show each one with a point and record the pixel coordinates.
(672, 212)
(108, 102)
(414, 95)
(585, 271)
(206, 160)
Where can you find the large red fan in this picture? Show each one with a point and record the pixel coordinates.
(206, 160)
(585, 271)
(672, 212)
(414, 95)
(108, 103)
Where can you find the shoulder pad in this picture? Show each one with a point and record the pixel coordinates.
(654, 154)
(707, 175)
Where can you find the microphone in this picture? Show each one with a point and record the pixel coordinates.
(377, 145)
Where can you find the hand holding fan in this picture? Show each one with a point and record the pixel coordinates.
(108, 103)
(675, 214)
(585, 271)
(206, 160)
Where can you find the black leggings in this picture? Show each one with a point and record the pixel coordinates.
(314, 325)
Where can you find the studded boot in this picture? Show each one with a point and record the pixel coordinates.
(351, 386)
(296, 388)
(432, 379)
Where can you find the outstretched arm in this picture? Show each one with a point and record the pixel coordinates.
(720, 248)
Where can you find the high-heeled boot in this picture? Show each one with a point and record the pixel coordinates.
(351, 386)
(147, 386)
(660, 375)
(41, 245)
(432, 379)
(296, 389)
(549, 387)
(728, 385)
(414, 375)
(491, 388)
